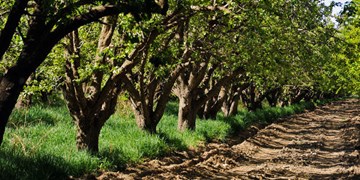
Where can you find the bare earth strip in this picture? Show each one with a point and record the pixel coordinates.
(322, 144)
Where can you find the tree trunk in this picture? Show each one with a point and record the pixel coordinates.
(187, 114)
(145, 123)
(211, 109)
(252, 99)
(144, 120)
(10, 88)
(272, 100)
(11, 85)
(89, 120)
(201, 112)
(273, 95)
(24, 101)
(234, 107)
(213, 105)
(204, 111)
(231, 103)
(299, 94)
(44, 97)
(87, 137)
(231, 108)
(211, 113)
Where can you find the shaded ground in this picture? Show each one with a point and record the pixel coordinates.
(322, 144)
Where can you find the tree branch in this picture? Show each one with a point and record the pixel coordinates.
(216, 88)
(18, 9)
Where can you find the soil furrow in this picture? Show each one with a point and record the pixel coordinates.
(322, 144)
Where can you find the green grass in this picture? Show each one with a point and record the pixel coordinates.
(40, 142)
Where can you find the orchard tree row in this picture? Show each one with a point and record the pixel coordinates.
(211, 55)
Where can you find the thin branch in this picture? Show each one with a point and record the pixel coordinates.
(12, 22)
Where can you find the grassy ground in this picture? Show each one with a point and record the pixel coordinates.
(40, 142)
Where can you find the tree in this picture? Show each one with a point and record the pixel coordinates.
(346, 61)
(288, 47)
(150, 85)
(49, 22)
(87, 109)
(232, 96)
(192, 87)
(92, 86)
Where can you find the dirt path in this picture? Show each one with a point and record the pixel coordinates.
(323, 144)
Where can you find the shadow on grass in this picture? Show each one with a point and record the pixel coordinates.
(19, 166)
(139, 145)
(119, 160)
(115, 157)
(173, 141)
(37, 115)
(172, 108)
(234, 123)
(31, 120)
(15, 165)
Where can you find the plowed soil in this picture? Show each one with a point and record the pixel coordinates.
(321, 144)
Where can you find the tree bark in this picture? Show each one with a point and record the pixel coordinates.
(231, 103)
(230, 108)
(149, 107)
(10, 88)
(87, 137)
(144, 121)
(251, 99)
(89, 120)
(298, 94)
(213, 105)
(185, 90)
(192, 97)
(24, 101)
(13, 81)
(89, 123)
(273, 96)
(187, 113)
(233, 110)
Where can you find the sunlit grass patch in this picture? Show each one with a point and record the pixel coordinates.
(40, 141)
